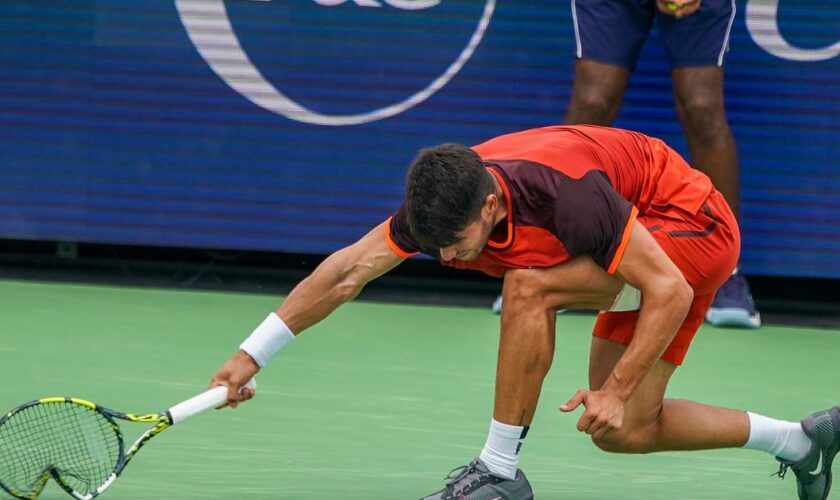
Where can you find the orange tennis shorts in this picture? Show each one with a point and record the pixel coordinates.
(705, 246)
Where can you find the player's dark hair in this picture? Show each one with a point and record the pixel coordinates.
(445, 189)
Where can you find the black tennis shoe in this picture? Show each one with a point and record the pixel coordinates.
(813, 472)
(475, 482)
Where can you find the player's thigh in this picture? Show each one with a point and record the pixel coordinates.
(699, 39)
(646, 402)
(577, 284)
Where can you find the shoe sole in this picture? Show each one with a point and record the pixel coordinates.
(731, 316)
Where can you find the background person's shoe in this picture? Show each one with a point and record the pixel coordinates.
(733, 305)
(497, 305)
(813, 472)
(475, 482)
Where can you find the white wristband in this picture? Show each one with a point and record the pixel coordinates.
(267, 339)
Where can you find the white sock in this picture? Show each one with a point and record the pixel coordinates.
(783, 439)
(501, 451)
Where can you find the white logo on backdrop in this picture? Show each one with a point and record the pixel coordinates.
(212, 33)
(400, 4)
(763, 25)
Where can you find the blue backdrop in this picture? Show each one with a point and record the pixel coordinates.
(286, 125)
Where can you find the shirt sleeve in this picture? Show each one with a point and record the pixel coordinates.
(398, 236)
(593, 219)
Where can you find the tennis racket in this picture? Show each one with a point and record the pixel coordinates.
(78, 443)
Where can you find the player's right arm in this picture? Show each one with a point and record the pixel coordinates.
(337, 280)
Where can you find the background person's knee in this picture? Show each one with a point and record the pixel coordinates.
(702, 113)
(594, 107)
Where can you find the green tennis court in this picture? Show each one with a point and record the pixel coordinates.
(379, 401)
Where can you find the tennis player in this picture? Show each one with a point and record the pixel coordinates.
(570, 217)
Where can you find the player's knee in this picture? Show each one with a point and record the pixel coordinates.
(639, 437)
(611, 443)
(523, 286)
(622, 441)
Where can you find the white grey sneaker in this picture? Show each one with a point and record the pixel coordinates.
(813, 472)
(475, 482)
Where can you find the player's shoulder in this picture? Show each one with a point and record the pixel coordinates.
(547, 152)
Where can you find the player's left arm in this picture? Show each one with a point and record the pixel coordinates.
(666, 299)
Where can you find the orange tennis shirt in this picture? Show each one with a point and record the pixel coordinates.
(570, 191)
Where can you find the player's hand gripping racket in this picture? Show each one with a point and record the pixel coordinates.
(78, 443)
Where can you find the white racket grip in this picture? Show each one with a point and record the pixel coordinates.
(207, 400)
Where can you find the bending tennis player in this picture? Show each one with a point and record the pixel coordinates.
(570, 217)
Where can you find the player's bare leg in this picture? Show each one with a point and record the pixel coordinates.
(526, 348)
(526, 345)
(652, 423)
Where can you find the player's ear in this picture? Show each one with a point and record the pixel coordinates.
(491, 202)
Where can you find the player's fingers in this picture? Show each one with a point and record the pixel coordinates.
(233, 396)
(578, 399)
(594, 428)
(585, 421)
(599, 422)
(603, 431)
(246, 394)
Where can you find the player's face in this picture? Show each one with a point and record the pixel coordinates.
(471, 240)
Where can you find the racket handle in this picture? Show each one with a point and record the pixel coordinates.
(207, 400)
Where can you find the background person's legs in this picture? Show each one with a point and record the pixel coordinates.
(696, 46)
(698, 96)
(597, 93)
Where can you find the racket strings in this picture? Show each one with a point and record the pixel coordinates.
(77, 442)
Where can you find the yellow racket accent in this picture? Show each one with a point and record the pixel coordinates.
(149, 418)
(61, 399)
(83, 402)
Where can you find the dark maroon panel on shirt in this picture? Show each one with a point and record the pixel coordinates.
(587, 215)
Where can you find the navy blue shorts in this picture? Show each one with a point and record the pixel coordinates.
(613, 31)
